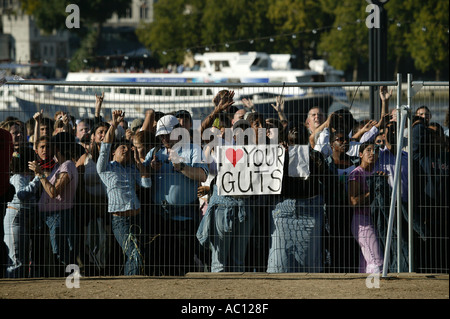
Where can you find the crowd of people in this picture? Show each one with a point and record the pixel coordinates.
(119, 199)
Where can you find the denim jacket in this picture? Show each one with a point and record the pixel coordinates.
(221, 213)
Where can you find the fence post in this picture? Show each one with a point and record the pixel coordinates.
(394, 192)
(410, 178)
(399, 184)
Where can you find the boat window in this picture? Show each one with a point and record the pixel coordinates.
(261, 63)
(92, 90)
(304, 78)
(134, 91)
(218, 65)
(255, 62)
(99, 90)
(74, 90)
(209, 92)
(188, 92)
(233, 80)
(181, 92)
(60, 89)
(194, 92)
(158, 92)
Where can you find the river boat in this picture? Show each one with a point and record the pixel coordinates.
(265, 76)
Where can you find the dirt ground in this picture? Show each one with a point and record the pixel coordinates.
(233, 286)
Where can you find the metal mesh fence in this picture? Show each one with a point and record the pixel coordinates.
(114, 195)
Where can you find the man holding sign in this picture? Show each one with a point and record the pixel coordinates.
(244, 170)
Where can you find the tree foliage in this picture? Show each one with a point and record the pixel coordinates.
(341, 37)
(196, 24)
(346, 43)
(427, 40)
(51, 15)
(417, 31)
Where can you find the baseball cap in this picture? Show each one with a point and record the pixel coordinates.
(166, 124)
(136, 124)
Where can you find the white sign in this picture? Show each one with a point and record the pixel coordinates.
(250, 169)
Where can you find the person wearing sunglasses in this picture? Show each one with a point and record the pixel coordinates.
(177, 169)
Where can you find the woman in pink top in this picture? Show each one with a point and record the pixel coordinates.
(57, 200)
(371, 258)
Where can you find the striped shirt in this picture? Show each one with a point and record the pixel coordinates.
(120, 182)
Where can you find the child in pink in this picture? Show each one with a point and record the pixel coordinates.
(371, 258)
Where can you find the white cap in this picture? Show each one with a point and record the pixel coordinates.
(166, 124)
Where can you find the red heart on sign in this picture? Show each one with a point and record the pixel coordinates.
(234, 155)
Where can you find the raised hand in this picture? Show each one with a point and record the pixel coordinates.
(98, 103)
(117, 117)
(35, 167)
(226, 101)
(99, 99)
(38, 115)
(248, 104)
(279, 106)
(384, 94)
(66, 119)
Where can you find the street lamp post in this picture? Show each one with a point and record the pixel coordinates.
(377, 57)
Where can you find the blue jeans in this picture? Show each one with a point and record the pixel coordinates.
(229, 240)
(296, 241)
(123, 229)
(17, 241)
(61, 229)
(231, 224)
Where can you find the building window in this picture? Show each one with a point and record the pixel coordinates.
(127, 14)
(143, 11)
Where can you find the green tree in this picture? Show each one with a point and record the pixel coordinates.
(428, 39)
(237, 23)
(346, 44)
(196, 24)
(399, 14)
(177, 25)
(304, 18)
(51, 15)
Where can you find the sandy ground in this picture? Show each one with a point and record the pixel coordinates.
(206, 295)
(232, 286)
